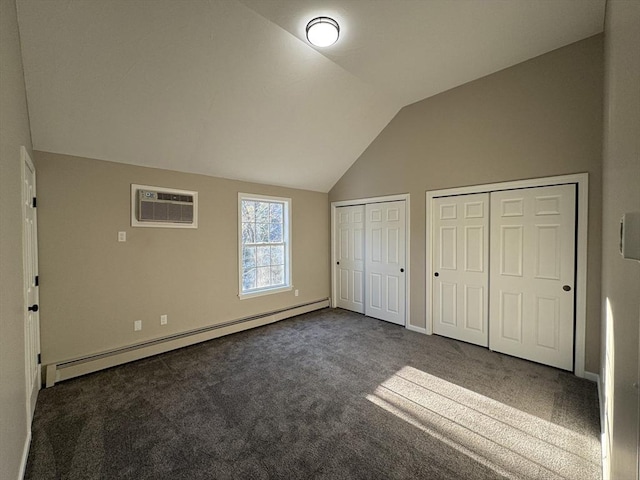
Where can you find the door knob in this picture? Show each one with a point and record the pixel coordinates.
(33, 308)
(436, 274)
(402, 270)
(566, 288)
(337, 263)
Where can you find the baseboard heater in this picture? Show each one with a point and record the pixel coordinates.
(56, 372)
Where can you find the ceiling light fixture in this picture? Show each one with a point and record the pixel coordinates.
(323, 31)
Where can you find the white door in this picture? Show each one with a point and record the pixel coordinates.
(30, 260)
(461, 267)
(349, 251)
(532, 274)
(385, 257)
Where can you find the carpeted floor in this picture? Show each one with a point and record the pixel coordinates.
(326, 395)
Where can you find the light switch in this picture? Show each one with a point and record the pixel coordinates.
(630, 235)
(122, 236)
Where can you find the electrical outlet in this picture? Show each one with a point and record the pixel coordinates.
(296, 292)
(122, 236)
(137, 325)
(163, 319)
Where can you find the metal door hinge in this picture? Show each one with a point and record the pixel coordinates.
(36, 282)
(39, 359)
(34, 202)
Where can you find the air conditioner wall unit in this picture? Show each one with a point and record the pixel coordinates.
(163, 207)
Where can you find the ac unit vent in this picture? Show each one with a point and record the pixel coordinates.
(156, 207)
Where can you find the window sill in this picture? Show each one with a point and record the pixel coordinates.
(266, 291)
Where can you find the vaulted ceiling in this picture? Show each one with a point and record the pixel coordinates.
(231, 88)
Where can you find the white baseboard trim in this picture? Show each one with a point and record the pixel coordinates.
(25, 454)
(413, 328)
(593, 377)
(64, 370)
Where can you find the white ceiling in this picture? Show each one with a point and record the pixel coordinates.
(231, 88)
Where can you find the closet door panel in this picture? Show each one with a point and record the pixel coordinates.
(532, 274)
(349, 248)
(460, 278)
(385, 238)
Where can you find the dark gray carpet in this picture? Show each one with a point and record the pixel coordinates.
(327, 395)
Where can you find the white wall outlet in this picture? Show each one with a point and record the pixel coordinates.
(296, 292)
(163, 320)
(122, 236)
(137, 325)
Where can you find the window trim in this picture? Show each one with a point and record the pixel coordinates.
(287, 242)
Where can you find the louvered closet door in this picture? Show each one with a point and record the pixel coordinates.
(461, 267)
(349, 250)
(385, 257)
(532, 274)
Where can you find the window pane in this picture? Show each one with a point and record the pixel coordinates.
(263, 278)
(263, 257)
(263, 249)
(248, 211)
(276, 212)
(262, 212)
(249, 280)
(248, 258)
(248, 233)
(262, 232)
(277, 255)
(277, 275)
(275, 233)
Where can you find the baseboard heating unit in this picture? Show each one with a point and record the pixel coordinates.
(56, 372)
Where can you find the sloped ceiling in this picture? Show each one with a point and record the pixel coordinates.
(231, 88)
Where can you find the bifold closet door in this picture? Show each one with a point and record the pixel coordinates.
(532, 274)
(349, 248)
(385, 257)
(460, 235)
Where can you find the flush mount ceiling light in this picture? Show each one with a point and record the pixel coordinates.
(323, 31)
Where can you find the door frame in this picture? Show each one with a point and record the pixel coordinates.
(364, 201)
(582, 216)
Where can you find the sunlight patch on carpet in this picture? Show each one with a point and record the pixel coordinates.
(510, 442)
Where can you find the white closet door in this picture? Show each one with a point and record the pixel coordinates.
(532, 274)
(461, 267)
(349, 248)
(385, 257)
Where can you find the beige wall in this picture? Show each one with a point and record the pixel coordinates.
(539, 118)
(14, 132)
(621, 193)
(93, 288)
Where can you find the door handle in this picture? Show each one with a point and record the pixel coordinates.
(436, 274)
(33, 308)
(566, 288)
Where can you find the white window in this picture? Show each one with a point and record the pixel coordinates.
(264, 232)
